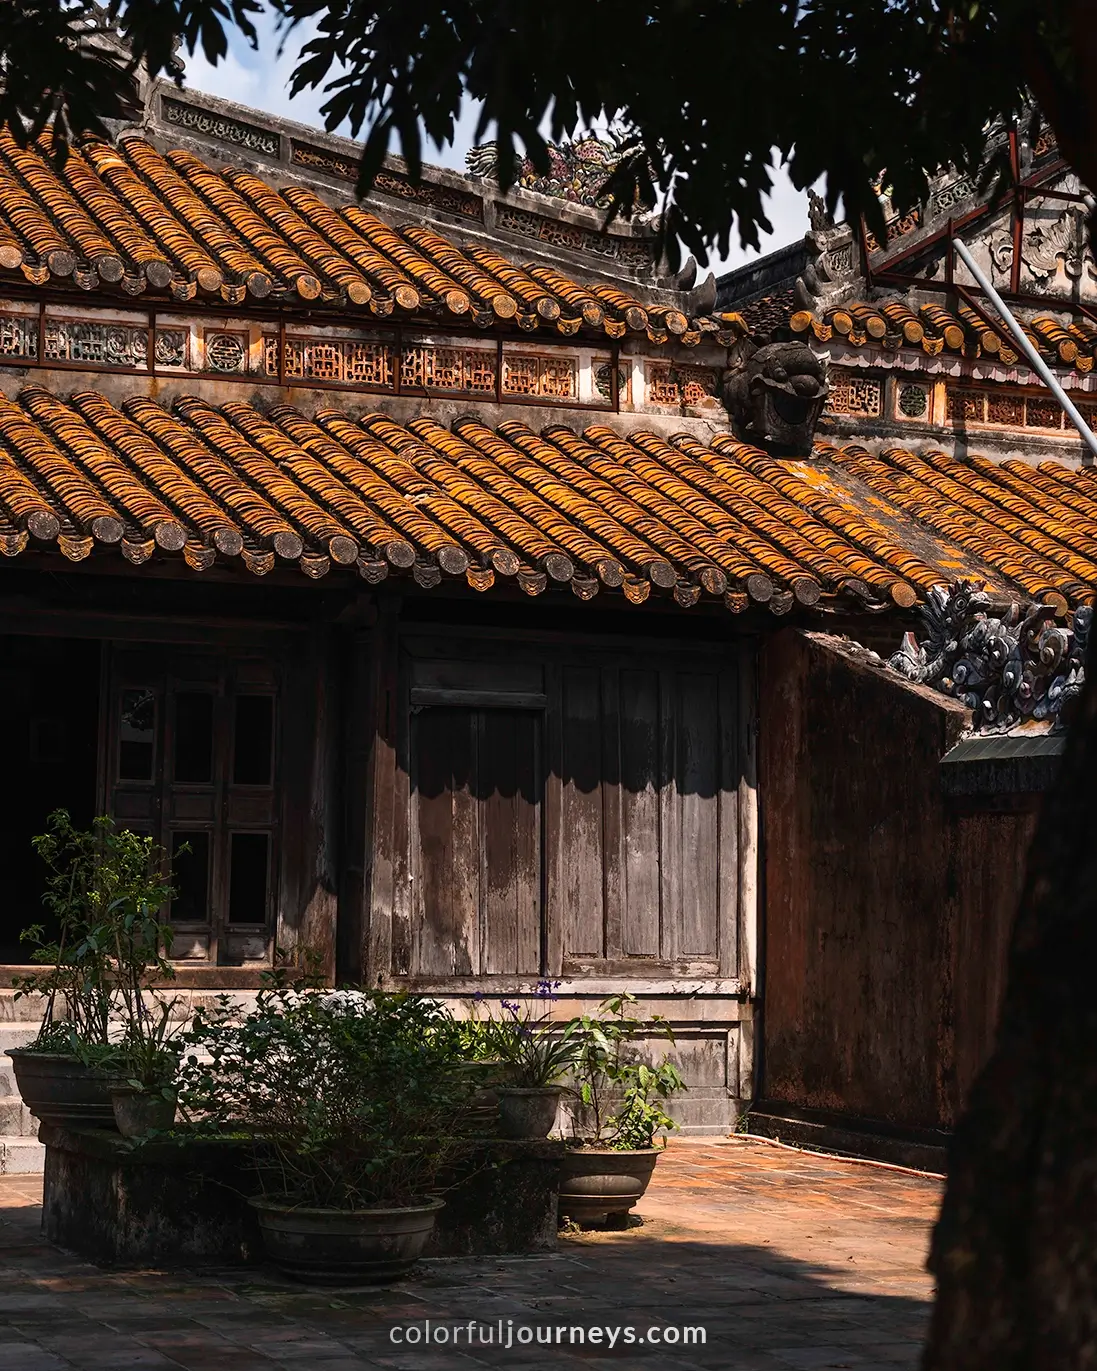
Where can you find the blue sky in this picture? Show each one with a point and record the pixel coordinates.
(261, 81)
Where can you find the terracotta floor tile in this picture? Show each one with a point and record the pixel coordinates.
(787, 1260)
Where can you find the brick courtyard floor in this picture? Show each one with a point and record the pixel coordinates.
(785, 1259)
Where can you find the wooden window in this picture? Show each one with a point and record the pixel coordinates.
(190, 743)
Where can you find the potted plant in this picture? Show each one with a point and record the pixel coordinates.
(620, 1112)
(537, 1055)
(144, 1094)
(103, 890)
(353, 1108)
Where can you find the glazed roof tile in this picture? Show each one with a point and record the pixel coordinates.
(138, 220)
(632, 513)
(935, 329)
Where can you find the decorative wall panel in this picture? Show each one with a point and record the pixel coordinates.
(109, 344)
(226, 351)
(680, 385)
(527, 374)
(448, 368)
(852, 394)
(366, 362)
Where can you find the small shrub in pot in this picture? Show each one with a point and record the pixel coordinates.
(105, 892)
(354, 1107)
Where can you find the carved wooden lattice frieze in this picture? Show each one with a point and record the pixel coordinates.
(367, 362)
(963, 406)
(1005, 409)
(526, 374)
(219, 126)
(471, 370)
(112, 345)
(1041, 413)
(680, 385)
(18, 336)
(861, 396)
(1008, 669)
(1010, 409)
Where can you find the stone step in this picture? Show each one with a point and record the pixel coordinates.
(21, 1156)
(16, 1120)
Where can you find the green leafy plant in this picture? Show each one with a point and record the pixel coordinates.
(620, 1095)
(105, 890)
(536, 1051)
(350, 1097)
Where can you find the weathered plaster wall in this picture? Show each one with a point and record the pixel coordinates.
(887, 914)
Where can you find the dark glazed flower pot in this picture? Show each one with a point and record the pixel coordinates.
(137, 1112)
(344, 1246)
(59, 1089)
(598, 1182)
(527, 1111)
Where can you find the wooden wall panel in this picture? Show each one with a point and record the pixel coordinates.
(697, 777)
(887, 912)
(508, 810)
(641, 785)
(605, 806)
(583, 912)
(446, 866)
(476, 834)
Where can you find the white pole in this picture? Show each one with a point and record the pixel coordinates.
(1039, 366)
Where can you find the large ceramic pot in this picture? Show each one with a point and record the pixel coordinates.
(596, 1182)
(59, 1089)
(527, 1111)
(481, 1115)
(344, 1246)
(137, 1112)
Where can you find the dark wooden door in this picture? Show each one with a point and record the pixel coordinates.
(477, 904)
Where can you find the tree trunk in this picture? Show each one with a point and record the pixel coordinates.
(1015, 1249)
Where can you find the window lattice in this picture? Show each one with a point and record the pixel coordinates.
(856, 395)
(446, 368)
(602, 374)
(112, 345)
(1005, 409)
(525, 374)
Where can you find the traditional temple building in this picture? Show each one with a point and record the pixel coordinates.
(467, 595)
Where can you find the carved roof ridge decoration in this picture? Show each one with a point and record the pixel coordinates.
(130, 219)
(717, 523)
(1011, 666)
(273, 146)
(1041, 219)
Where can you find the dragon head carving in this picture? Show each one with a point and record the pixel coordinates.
(774, 395)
